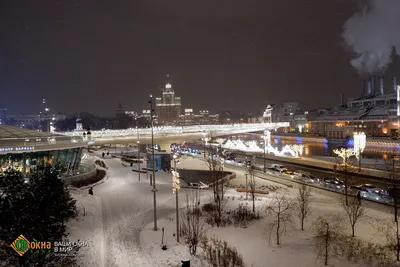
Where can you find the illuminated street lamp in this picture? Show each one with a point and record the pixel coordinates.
(153, 162)
(267, 140)
(360, 141)
(138, 143)
(176, 186)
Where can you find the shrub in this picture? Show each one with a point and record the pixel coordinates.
(209, 207)
(219, 253)
(237, 217)
(101, 164)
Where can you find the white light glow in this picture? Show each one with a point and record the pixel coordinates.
(344, 154)
(168, 86)
(398, 100)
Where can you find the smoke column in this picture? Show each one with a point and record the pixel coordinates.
(372, 33)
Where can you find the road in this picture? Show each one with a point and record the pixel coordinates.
(127, 207)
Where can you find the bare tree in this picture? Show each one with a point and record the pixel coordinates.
(327, 235)
(251, 182)
(354, 211)
(216, 180)
(390, 231)
(303, 201)
(280, 211)
(192, 227)
(345, 154)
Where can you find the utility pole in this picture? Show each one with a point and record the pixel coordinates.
(152, 163)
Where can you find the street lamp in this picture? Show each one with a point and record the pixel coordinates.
(359, 145)
(153, 162)
(204, 144)
(267, 139)
(138, 144)
(176, 186)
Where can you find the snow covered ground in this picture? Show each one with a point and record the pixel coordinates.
(118, 224)
(123, 205)
(297, 248)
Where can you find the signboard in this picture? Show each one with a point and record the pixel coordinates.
(13, 149)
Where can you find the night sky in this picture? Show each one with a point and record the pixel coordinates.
(221, 55)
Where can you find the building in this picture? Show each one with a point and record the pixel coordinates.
(288, 112)
(3, 116)
(27, 152)
(372, 113)
(168, 107)
(41, 122)
(203, 117)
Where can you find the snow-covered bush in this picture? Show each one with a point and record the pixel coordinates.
(219, 253)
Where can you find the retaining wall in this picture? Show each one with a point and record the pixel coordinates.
(79, 177)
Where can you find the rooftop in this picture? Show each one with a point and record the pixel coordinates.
(7, 132)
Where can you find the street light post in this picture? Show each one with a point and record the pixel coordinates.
(246, 183)
(175, 188)
(138, 144)
(204, 144)
(152, 163)
(265, 146)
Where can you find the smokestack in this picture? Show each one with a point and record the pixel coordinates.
(364, 88)
(369, 91)
(394, 84)
(341, 99)
(381, 86)
(398, 101)
(373, 85)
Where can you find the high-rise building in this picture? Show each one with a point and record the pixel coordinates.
(168, 107)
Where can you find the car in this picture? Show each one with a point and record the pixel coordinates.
(306, 177)
(334, 183)
(372, 188)
(368, 191)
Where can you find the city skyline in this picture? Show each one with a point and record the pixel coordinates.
(90, 56)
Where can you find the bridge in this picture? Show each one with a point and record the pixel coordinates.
(171, 134)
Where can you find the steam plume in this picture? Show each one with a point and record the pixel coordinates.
(372, 33)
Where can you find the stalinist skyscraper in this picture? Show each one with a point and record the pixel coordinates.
(168, 107)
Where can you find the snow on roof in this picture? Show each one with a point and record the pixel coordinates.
(7, 131)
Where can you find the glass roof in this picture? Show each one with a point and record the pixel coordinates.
(7, 131)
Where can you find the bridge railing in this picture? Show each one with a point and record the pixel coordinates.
(167, 130)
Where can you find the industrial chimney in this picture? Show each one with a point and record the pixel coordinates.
(364, 88)
(373, 80)
(341, 99)
(369, 91)
(381, 86)
(394, 84)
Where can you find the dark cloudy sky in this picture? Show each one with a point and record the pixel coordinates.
(237, 55)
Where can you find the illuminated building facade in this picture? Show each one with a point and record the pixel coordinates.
(168, 107)
(374, 115)
(202, 118)
(27, 152)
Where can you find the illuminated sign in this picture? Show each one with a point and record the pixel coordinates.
(10, 149)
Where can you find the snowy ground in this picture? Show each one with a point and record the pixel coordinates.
(118, 224)
(120, 208)
(297, 247)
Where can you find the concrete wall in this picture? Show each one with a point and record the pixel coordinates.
(194, 176)
(79, 177)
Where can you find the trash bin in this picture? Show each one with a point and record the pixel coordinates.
(131, 164)
(185, 263)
